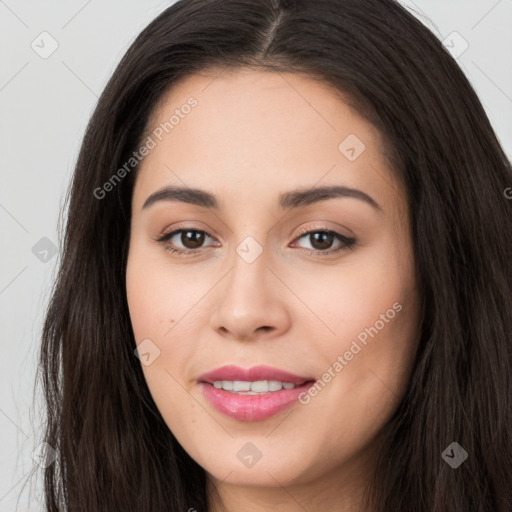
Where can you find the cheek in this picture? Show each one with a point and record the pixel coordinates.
(376, 289)
(146, 308)
(154, 311)
(151, 289)
(162, 311)
(370, 316)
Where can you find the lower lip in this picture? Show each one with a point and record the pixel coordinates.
(252, 407)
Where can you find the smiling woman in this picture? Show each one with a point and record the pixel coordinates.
(256, 330)
(299, 299)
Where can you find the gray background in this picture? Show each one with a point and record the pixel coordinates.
(45, 104)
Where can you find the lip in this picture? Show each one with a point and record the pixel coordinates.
(252, 407)
(232, 372)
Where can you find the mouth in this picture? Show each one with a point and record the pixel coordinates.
(252, 394)
(258, 387)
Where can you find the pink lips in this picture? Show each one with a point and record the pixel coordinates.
(252, 407)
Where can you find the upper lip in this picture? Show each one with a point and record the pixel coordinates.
(255, 373)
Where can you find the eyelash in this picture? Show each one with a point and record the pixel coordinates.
(348, 242)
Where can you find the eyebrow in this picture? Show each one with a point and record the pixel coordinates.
(287, 201)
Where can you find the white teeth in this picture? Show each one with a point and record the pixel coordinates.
(240, 385)
(227, 385)
(275, 385)
(259, 386)
(252, 388)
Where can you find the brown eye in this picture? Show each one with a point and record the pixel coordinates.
(192, 239)
(322, 241)
(184, 241)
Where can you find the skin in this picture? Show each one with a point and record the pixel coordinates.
(253, 136)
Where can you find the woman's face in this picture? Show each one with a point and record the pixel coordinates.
(284, 275)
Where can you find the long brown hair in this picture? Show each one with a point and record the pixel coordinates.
(115, 452)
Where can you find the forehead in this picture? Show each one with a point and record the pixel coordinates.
(259, 130)
(256, 103)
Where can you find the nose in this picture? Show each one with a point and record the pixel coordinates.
(251, 302)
